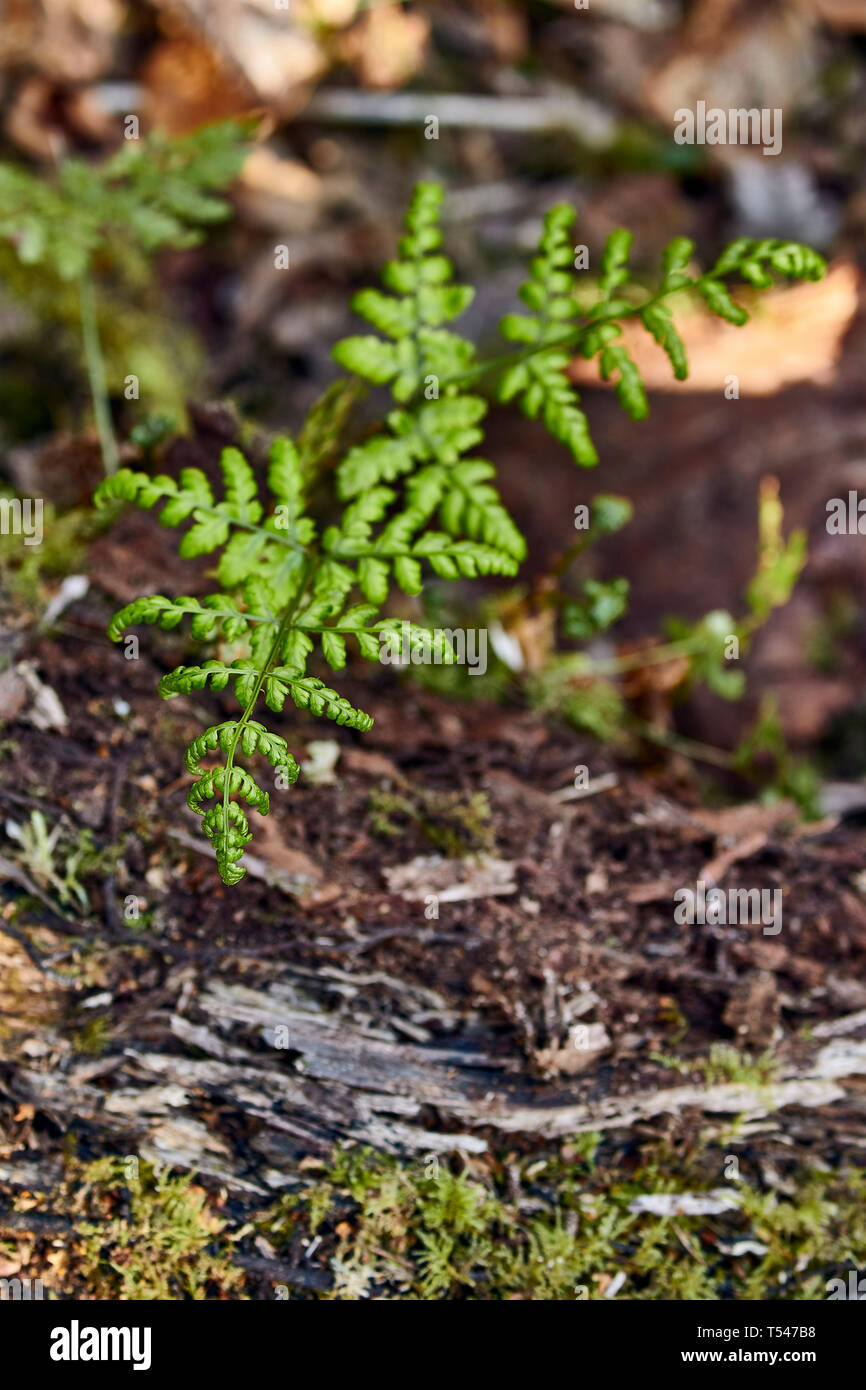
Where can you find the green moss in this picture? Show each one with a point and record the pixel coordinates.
(455, 824)
(93, 1039)
(560, 1227)
(158, 1237)
(725, 1063)
(24, 569)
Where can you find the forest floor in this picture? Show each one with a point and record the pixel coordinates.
(446, 1039)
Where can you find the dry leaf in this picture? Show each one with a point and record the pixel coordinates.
(286, 179)
(737, 822)
(186, 85)
(848, 15)
(734, 53)
(795, 334)
(69, 41)
(387, 46)
(265, 46)
(290, 869)
(572, 1057)
(716, 868)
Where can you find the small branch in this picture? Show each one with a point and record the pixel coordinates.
(35, 1223)
(279, 1272)
(688, 747)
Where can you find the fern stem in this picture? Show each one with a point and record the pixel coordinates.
(96, 375)
(571, 339)
(648, 656)
(254, 530)
(678, 743)
(285, 624)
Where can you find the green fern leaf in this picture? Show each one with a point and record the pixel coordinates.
(658, 321)
(368, 357)
(719, 300)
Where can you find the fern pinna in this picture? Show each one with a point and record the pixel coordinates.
(414, 495)
(283, 589)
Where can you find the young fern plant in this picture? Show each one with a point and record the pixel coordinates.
(153, 193)
(415, 499)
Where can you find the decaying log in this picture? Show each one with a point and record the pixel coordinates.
(299, 1077)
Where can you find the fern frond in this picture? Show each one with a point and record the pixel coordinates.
(226, 824)
(310, 693)
(232, 781)
(157, 191)
(423, 298)
(254, 738)
(539, 382)
(307, 692)
(397, 548)
(215, 613)
(183, 680)
(425, 445)
(272, 548)
(556, 327)
(229, 832)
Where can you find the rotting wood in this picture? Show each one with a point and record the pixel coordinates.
(336, 1081)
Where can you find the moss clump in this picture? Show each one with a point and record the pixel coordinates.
(25, 569)
(725, 1063)
(560, 1227)
(455, 824)
(144, 1235)
(94, 1038)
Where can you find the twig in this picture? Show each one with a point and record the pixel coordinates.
(424, 937)
(570, 111)
(35, 1223)
(280, 1273)
(31, 802)
(604, 783)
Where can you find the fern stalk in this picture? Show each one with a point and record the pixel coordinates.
(249, 710)
(95, 364)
